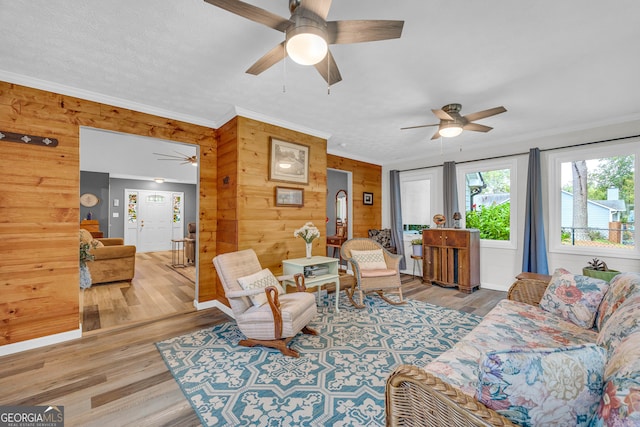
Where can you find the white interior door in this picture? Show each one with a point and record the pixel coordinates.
(150, 219)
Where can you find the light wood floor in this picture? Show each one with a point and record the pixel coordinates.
(156, 291)
(116, 377)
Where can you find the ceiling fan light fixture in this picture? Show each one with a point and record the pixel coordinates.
(450, 132)
(159, 180)
(307, 44)
(450, 128)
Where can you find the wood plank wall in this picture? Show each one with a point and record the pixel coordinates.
(366, 177)
(249, 209)
(40, 210)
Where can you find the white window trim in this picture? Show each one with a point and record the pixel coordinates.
(489, 165)
(555, 159)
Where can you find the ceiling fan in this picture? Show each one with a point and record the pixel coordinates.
(308, 34)
(452, 123)
(183, 158)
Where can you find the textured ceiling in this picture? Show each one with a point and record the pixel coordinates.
(555, 65)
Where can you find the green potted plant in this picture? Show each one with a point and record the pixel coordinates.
(599, 270)
(416, 246)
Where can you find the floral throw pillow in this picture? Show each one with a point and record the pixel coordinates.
(370, 260)
(574, 297)
(381, 236)
(543, 387)
(260, 280)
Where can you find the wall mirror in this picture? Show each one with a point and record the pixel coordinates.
(341, 213)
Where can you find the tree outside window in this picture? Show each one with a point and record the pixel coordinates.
(597, 203)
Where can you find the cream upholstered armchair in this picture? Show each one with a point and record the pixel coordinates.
(264, 313)
(375, 269)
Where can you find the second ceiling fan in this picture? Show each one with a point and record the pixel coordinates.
(308, 34)
(452, 123)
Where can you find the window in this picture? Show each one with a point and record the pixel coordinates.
(486, 199)
(415, 193)
(593, 200)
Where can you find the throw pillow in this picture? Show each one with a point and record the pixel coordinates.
(85, 236)
(574, 297)
(552, 386)
(381, 236)
(370, 260)
(260, 280)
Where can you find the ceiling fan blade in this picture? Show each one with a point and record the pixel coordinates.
(333, 76)
(436, 135)
(420, 126)
(319, 8)
(358, 31)
(485, 113)
(442, 115)
(275, 55)
(172, 157)
(252, 13)
(476, 127)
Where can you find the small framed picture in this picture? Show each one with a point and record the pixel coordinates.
(286, 196)
(367, 198)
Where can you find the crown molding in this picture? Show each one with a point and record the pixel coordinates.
(353, 156)
(102, 98)
(282, 123)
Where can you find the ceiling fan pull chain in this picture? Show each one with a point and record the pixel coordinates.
(284, 65)
(328, 74)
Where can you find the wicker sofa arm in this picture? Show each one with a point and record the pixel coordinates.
(529, 288)
(414, 397)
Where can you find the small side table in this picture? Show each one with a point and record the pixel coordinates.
(416, 259)
(177, 253)
(336, 242)
(297, 265)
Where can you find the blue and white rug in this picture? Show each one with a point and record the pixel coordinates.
(339, 379)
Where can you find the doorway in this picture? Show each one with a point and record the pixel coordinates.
(144, 165)
(153, 219)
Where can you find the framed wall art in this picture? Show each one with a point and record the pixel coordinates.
(367, 198)
(286, 196)
(288, 162)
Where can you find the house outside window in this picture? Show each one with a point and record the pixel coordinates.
(486, 200)
(593, 194)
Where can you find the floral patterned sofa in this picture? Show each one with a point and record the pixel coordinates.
(568, 356)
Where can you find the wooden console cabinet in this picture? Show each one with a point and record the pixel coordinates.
(93, 227)
(451, 257)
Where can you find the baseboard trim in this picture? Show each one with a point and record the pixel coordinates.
(213, 304)
(19, 347)
(494, 287)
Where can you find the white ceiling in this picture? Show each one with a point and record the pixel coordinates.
(557, 66)
(129, 156)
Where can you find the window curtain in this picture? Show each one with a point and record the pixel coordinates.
(534, 257)
(450, 192)
(396, 215)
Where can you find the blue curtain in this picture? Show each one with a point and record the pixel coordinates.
(450, 192)
(534, 257)
(396, 215)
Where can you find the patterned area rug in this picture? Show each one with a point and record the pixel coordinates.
(339, 380)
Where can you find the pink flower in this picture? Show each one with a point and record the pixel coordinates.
(633, 400)
(609, 401)
(569, 294)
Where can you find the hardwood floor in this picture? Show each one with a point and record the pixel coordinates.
(116, 377)
(156, 291)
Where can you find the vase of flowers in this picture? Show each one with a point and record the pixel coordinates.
(309, 233)
(85, 256)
